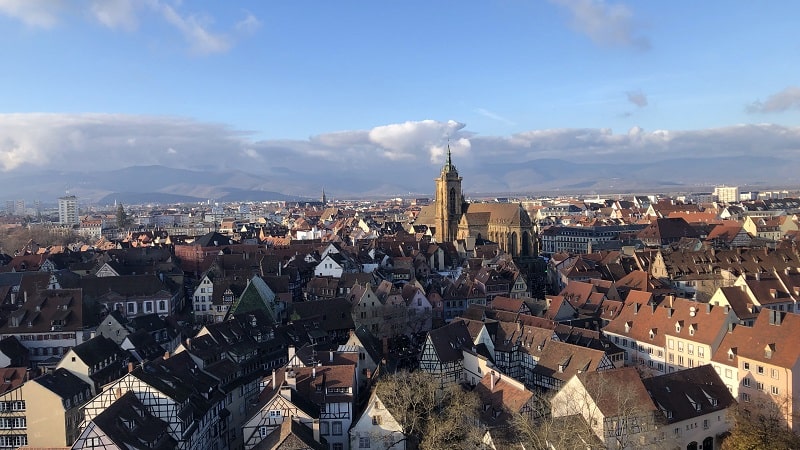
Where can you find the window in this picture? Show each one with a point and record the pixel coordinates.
(671, 344)
(274, 413)
(680, 361)
(690, 349)
(774, 373)
(162, 305)
(263, 431)
(131, 308)
(337, 428)
(760, 370)
(746, 382)
(705, 424)
(701, 351)
(759, 385)
(745, 396)
(363, 442)
(728, 373)
(377, 420)
(680, 346)
(775, 390)
(323, 428)
(746, 365)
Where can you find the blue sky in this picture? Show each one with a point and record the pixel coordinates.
(294, 83)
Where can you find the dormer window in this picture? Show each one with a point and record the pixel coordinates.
(628, 326)
(652, 333)
(678, 326)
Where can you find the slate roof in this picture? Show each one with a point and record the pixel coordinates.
(689, 393)
(448, 341)
(64, 384)
(129, 424)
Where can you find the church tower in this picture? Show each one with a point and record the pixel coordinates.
(449, 202)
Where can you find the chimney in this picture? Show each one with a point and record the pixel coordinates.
(385, 346)
(166, 355)
(727, 309)
(369, 374)
(491, 380)
(315, 429)
(130, 367)
(188, 343)
(291, 353)
(708, 308)
(331, 355)
(636, 308)
(670, 311)
(274, 379)
(730, 327)
(314, 372)
(773, 292)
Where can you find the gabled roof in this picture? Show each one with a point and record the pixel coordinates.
(291, 435)
(608, 386)
(130, 424)
(689, 393)
(448, 341)
(777, 331)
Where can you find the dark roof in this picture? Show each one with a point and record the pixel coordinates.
(64, 384)
(448, 340)
(689, 393)
(15, 351)
(333, 314)
(129, 424)
(291, 435)
(370, 343)
(97, 349)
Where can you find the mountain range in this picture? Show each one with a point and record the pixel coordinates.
(160, 184)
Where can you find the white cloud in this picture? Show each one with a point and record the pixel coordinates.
(604, 23)
(116, 14)
(249, 25)
(405, 140)
(34, 13)
(784, 100)
(196, 30)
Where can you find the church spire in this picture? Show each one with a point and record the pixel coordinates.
(449, 167)
(449, 158)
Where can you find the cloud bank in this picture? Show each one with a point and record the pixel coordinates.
(32, 142)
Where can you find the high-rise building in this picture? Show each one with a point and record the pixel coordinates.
(68, 210)
(727, 194)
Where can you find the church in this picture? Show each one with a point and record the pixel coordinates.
(450, 217)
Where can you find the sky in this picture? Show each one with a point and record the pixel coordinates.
(258, 86)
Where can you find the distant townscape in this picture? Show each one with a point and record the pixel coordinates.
(602, 322)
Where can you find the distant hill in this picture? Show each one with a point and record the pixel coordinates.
(159, 184)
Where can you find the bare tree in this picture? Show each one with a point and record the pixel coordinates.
(600, 412)
(430, 417)
(763, 428)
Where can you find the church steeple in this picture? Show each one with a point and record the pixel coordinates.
(449, 201)
(324, 199)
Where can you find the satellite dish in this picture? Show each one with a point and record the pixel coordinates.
(692, 311)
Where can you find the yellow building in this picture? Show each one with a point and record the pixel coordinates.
(450, 217)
